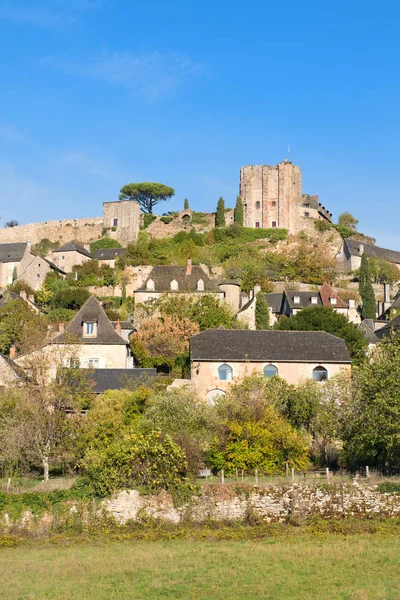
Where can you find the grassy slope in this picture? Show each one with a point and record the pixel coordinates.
(304, 568)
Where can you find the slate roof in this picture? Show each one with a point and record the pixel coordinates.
(8, 296)
(353, 249)
(72, 247)
(91, 311)
(118, 379)
(262, 346)
(367, 327)
(124, 325)
(305, 299)
(20, 373)
(108, 253)
(53, 266)
(275, 301)
(387, 330)
(162, 275)
(12, 252)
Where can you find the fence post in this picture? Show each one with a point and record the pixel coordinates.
(222, 476)
(287, 469)
(367, 471)
(237, 477)
(256, 476)
(327, 473)
(242, 476)
(292, 474)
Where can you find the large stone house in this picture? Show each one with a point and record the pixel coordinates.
(18, 263)
(108, 256)
(353, 250)
(69, 255)
(90, 341)
(220, 357)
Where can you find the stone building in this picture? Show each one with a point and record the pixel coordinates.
(352, 251)
(122, 220)
(272, 197)
(70, 255)
(18, 263)
(220, 357)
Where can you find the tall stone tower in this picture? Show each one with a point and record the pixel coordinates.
(122, 220)
(271, 195)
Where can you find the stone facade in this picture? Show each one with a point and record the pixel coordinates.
(272, 197)
(126, 215)
(31, 269)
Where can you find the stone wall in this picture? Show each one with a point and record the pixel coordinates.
(81, 230)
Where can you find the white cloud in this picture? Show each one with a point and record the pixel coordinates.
(152, 75)
(47, 15)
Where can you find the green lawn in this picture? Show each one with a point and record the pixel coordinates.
(306, 567)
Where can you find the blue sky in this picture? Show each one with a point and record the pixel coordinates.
(95, 94)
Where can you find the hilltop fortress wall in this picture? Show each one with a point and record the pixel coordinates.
(120, 220)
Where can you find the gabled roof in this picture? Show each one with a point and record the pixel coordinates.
(108, 253)
(8, 296)
(326, 292)
(72, 247)
(91, 311)
(264, 346)
(118, 379)
(393, 326)
(53, 266)
(305, 299)
(275, 301)
(12, 252)
(354, 248)
(162, 275)
(124, 325)
(16, 369)
(367, 328)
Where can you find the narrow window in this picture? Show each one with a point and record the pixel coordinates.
(332, 300)
(89, 329)
(306, 214)
(200, 285)
(320, 374)
(174, 285)
(63, 258)
(115, 222)
(93, 363)
(270, 371)
(273, 223)
(314, 300)
(150, 285)
(225, 373)
(258, 205)
(273, 203)
(257, 223)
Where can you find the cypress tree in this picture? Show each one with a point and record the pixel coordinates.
(186, 204)
(238, 215)
(220, 214)
(366, 290)
(262, 312)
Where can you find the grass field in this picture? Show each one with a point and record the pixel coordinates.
(359, 567)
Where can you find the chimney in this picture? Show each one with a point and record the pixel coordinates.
(386, 293)
(118, 327)
(361, 248)
(380, 307)
(31, 298)
(257, 288)
(23, 294)
(61, 328)
(189, 266)
(13, 352)
(352, 303)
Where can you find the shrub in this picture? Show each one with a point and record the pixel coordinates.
(104, 243)
(72, 298)
(166, 220)
(147, 220)
(321, 225)
(43, 247)
(57, 315)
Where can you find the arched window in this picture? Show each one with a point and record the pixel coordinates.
(320, 374)
(213, 395)
(225, 373)
(150, 285)
(258, 204)
(174, 285)
(200, 285)
(270, 371)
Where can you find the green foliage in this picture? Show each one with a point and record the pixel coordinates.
(43, 247)
(72, 298)
(148, 218)
(104, 243)
(371, 423)
(368, 310)
(325, 318)
(389, 488)
(348, 221)
(186, 204)
(266, 445)
(206, 310)
(147, 194)
(152, 462)
(239, 213)
(60, 315)
(21, 285)
(220, 214)
(262, 312)
(166, 220)
(199, 218)
(382, 271)
(321, 225)
(20, 326)
(345, 232)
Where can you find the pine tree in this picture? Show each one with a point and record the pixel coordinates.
(186, 204)
(262, 312)
(366, 290)
(238, 215)
(220, 215)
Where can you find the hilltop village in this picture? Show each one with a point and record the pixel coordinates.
(270, 289)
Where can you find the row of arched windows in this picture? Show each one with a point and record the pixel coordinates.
(225, 372)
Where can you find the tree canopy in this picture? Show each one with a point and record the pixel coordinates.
(325, 318)
(220, 214)
(238, 214)
(347, 220)
(366, 290)
(262, 312)
(146, 194)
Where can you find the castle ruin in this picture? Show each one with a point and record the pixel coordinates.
(272, 197)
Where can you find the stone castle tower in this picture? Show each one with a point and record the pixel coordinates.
(272, 197)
